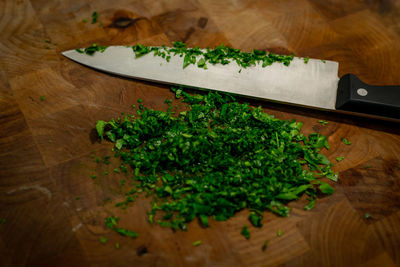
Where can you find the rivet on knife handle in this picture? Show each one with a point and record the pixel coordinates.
(356, 96)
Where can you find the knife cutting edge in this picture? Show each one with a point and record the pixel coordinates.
(313, 83)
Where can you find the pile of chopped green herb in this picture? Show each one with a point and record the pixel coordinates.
(218, 55)
(217, 158)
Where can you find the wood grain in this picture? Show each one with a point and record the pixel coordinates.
(55, 212)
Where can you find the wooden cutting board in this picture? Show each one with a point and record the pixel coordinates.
(54, 212)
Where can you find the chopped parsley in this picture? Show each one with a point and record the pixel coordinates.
(117, 245)
(3, 221)
(368, 216)
(42, 98)
(103, 240)
(306, 59)
(216, 158)
(221, 54)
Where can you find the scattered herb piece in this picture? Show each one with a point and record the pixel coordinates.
(245, 232)
(326, 188)
(77, 198)
(196, 243)
(339, 159)
(95, 16)
(323, 122)
(117, 245)
(265, 245)
(42, 98)
(368, 216)
(310, 205)
(105, 173)
(93, 176)
(306, 59)
(367, 166)
(111, 223)
(323, 60)
(345, 141)
(84, 20)
(103, 240)
(256, 218)
(3, 221)
(139, 100)
(126, 232)
(279, 233)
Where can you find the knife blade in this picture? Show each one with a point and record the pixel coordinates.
(314, 84)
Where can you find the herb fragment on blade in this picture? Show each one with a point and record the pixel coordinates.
(221, 54)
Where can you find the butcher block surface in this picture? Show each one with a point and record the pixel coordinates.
(52, 213)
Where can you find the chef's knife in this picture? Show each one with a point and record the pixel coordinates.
(314, 84)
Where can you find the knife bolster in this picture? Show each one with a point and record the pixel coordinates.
(356, 96)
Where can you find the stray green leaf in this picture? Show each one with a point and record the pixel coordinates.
(368, 216)
(255, 219)
(42, 98)
(103, 240)
(265, 245)
(345, 141)
(196, 243)
(3, 221)
(245, 232)
(117, 245)
(339, 159)
(279, 233)
(306, 59)
(310, 205)
(323, 122)
(100, 125)
(95, 16)
(326, 188)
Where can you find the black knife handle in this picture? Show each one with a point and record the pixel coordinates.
(356, 96)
